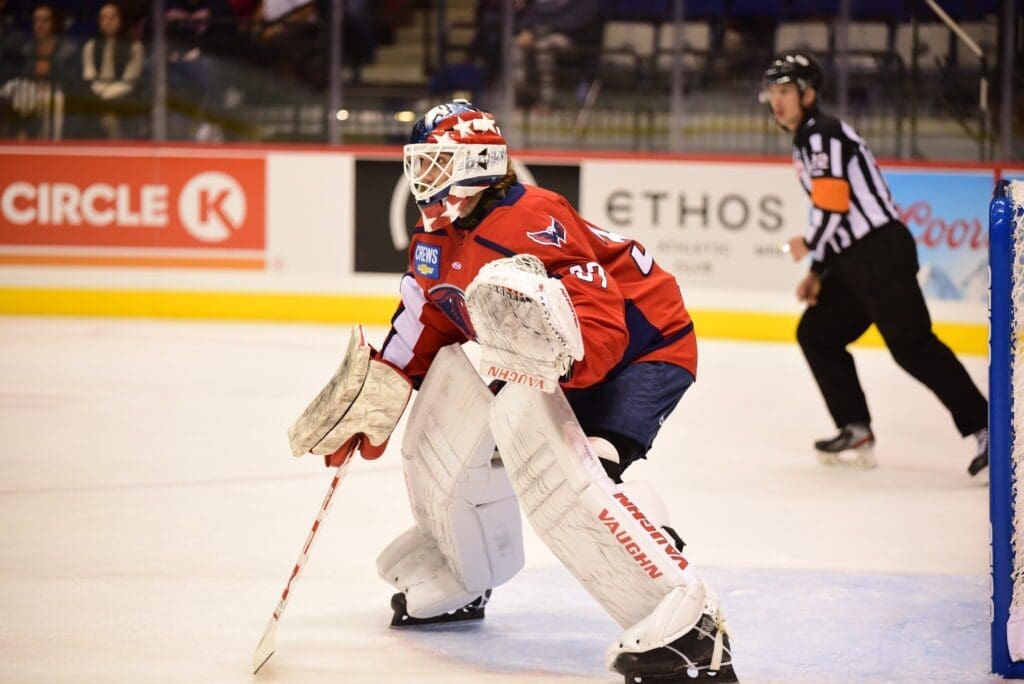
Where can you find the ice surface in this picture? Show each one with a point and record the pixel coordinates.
(152, 512)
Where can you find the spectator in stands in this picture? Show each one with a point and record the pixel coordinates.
(47, 56)
(747, 41)
(32, 102)
(202, 28)
(188, 68)
(360, 40)
(111, 66)
(187, 21)
(546, 30)
(290, 41)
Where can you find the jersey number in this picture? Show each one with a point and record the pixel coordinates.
(592, 270)
(643, 260)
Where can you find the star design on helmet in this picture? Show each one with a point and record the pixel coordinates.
(445, 137)
(485, 124)
(465, 126)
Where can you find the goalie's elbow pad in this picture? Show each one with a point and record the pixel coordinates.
(364, 401)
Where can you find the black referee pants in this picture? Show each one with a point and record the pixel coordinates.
(876, 282)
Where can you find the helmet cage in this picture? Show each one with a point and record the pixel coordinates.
(436, 169)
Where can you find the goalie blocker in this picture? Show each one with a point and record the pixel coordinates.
(525, 323)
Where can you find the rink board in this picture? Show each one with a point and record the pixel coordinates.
(321, 234)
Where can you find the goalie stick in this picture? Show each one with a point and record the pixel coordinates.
(268, 644)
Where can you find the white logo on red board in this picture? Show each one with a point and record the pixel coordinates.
(212, 205)
(97, 204)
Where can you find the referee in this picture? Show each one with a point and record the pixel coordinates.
(863, 271)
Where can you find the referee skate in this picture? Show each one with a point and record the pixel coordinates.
(853, 446)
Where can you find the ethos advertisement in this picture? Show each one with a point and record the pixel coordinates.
(714, 225)
(146, 202)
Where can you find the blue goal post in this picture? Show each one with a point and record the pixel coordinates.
(1004, 218)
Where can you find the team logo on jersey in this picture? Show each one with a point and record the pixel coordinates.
(553, 235)
(452, 301)
(427, 261)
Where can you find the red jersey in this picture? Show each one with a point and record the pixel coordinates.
(629, 308)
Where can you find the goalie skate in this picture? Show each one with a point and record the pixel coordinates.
(853, 446)
(702, 654)
(474, 610)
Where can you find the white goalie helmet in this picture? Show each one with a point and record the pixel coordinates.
(455, 151)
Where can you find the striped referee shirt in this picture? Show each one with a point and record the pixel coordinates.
(849, 197)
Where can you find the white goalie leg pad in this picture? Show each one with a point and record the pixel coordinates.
(468, 535)
(591, 525)
(413, 564)
(680, 610)
(675, 615)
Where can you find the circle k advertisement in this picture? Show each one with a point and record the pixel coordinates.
(134, 201)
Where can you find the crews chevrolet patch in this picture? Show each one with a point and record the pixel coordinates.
(427, 261)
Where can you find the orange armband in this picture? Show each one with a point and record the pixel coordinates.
(831, 194)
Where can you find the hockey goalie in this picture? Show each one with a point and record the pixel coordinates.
(585, 349)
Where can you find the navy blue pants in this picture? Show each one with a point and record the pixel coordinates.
(629, 408)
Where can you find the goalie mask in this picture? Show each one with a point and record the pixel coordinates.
(455, 152)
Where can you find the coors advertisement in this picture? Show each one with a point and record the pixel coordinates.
(948, 214)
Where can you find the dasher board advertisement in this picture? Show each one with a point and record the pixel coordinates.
(947, 211)
(714, 225)
(145, 206)
(719, 225)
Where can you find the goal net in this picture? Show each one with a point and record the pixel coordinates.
(1006, 425)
